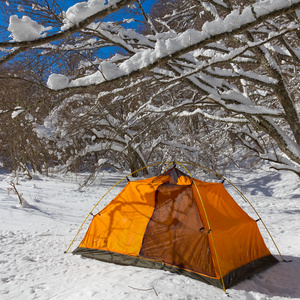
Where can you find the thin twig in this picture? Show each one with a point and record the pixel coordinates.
(14, 189)
(145, 289)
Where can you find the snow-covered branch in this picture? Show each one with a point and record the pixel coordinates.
(77, 17)
(173, 46)
(196, 76)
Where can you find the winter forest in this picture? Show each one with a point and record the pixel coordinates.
(93, 90)
(120, 84)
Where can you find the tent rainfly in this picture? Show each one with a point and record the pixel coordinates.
(180, 224)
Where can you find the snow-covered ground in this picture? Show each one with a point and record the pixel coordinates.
(33, 239)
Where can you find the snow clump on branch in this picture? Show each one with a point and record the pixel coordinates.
(25, 29)
(57, 81)
(82, 10)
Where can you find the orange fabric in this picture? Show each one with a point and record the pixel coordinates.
(121, 225)
(178, 218)
(236, 235)
(184, 180)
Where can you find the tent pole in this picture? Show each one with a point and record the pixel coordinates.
(208, 224)
(245, 198)
(182, 164)
(151, 165)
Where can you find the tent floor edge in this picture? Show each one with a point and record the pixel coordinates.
(128, 260)
(246, 271)
(234, 277)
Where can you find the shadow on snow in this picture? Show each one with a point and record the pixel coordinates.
(281, 280)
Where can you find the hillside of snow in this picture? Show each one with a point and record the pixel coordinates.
(34, 237)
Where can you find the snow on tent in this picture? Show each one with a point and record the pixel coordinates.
(180, 224)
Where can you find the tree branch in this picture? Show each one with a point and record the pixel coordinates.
(66, 33)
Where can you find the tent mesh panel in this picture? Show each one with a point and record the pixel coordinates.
(175, 233)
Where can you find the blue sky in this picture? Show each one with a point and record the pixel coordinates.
(64, 5)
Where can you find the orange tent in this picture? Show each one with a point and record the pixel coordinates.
(179, 224)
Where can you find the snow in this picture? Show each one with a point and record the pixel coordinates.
(220, 2)
(17, 110)
(212, 117)
(21, 8)
(210, 8)
(166, 44)
(25, 29)
(244, 104)
(271, 5)
(33, 240)
(82, 10)
(57, 81)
